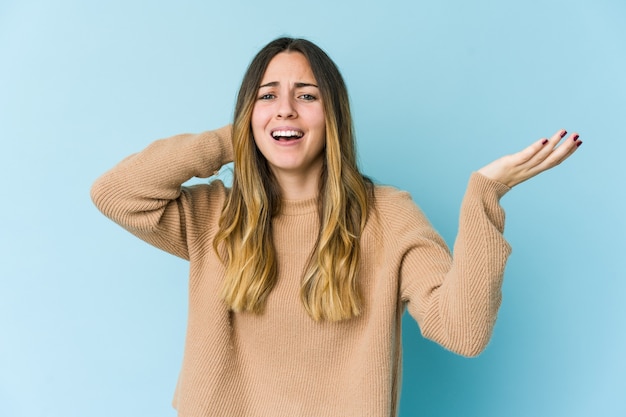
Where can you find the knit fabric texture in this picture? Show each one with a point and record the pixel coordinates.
(281, 362)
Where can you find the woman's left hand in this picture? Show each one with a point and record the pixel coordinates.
(538, 157)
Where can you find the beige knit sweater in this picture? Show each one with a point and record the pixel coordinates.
(282, 363)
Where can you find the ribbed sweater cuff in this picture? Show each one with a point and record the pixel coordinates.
(482, 185)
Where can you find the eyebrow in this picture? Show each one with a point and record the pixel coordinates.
(297, 85)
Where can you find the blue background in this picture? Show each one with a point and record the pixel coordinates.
(92, 320)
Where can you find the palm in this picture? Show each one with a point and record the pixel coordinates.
(538, 157)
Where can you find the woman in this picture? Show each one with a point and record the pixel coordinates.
(300, 273)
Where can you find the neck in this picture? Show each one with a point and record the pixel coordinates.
(294, 187)
(299, 183)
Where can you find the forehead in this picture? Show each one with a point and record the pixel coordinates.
(288, 67)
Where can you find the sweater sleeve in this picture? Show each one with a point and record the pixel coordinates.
(455, 299)
(144, 192)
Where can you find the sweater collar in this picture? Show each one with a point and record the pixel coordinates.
(296, 207)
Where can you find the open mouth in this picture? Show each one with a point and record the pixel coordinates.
(287, 134)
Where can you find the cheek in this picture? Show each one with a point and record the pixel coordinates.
(259, 117)
(320, 119)
(320, 124)
(255, 119)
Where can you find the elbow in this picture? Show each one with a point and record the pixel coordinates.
(473, 344)
(471, 351)
(464, 341)
(103, 197)
(135, 214)
(98, 194)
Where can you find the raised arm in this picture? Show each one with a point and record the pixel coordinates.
(455, 300)
(455, 297)
(144, 192)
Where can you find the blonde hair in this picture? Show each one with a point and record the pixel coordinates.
(330, 289)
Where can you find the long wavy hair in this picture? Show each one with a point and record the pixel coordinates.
(330, 289)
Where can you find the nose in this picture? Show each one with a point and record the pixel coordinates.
(286, 108)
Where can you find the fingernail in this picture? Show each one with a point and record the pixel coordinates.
(575, 137)
(579, 143)
(543, 142)
(563, 133)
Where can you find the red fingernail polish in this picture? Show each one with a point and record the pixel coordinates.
(579, 143)
(543, 142)
(575, 138)
(563, 133)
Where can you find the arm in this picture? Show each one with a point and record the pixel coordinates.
(457, 300)
(144, 192)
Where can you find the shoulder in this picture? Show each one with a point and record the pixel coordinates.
(388, 198)
(396, 208)
(388, 193)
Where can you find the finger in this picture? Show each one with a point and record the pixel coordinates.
(562, 152)
(573, 143)
(537, 148)
(556, 138)
(548, 148)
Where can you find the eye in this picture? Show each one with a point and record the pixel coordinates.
(267, 96)
(308, 97)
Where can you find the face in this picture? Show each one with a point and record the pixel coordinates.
(288, 118)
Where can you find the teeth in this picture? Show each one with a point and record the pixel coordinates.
(287, 134)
